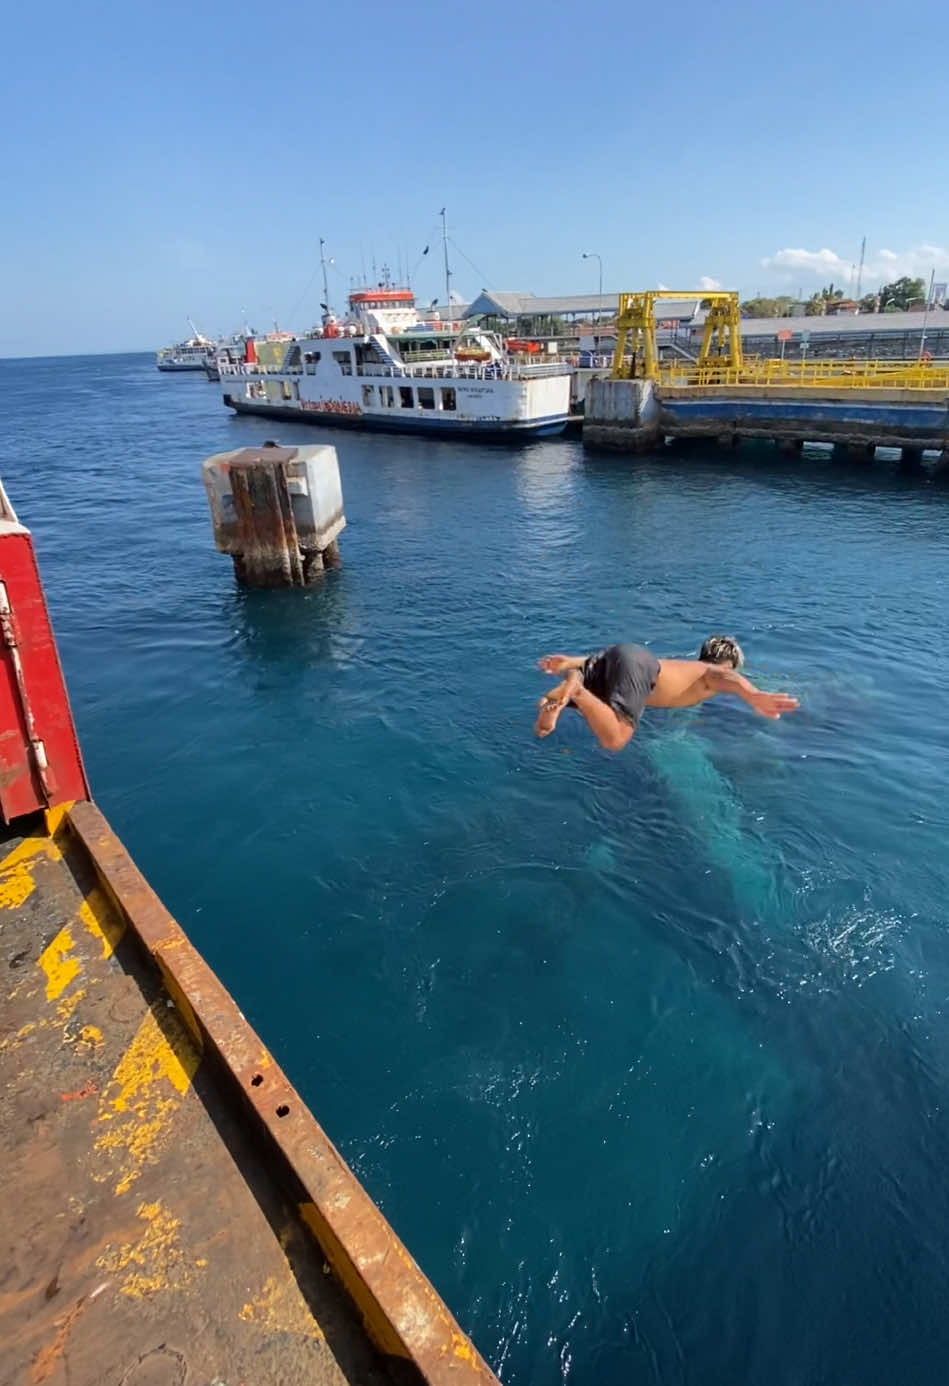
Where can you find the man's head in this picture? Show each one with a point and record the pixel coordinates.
(722, 649)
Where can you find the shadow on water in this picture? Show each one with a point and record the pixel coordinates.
(294, 629)
(815, 469)
(840, 1182)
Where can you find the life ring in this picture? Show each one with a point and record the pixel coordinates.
(926, 357)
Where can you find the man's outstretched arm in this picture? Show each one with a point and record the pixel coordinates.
(561, 664)
(718, 679)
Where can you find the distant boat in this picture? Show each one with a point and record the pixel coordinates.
(190, 355)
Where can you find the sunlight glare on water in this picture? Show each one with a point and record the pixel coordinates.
(644, 1056)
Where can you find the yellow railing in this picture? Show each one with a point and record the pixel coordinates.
(848, 375)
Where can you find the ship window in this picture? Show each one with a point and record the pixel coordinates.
(344, 360)
(405, 396)
(426, 397)
(386, 396)
(368, 394)
(448, 399)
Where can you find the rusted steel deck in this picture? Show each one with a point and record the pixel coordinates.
(173, 1215)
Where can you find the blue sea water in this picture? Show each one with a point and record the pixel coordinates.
(645, 1057)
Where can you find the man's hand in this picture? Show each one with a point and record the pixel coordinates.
(559, 664)
(772, 705)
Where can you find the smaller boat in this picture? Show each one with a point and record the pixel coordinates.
(190, 355)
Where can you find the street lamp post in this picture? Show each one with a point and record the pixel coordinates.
(592, 255)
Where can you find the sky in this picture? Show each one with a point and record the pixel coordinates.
(161, 161)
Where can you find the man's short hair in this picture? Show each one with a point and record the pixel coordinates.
(722, 649)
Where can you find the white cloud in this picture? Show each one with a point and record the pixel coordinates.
(708, 283)
(826, 264)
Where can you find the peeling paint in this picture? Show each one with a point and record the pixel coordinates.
(155, 1261)
(279, 1307)
(144, 1093)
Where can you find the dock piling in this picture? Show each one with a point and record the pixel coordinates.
(861, 452)
(277, 511)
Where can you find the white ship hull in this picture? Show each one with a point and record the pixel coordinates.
(447, 400)
(189, 365)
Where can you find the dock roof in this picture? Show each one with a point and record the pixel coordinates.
(491, 303)
(834, 326)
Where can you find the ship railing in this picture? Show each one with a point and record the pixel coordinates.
(857, 374)
(446, 370)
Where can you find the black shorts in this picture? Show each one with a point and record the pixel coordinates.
(622, 676)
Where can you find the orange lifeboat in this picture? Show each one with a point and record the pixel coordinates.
(517, 344)
(472, 354)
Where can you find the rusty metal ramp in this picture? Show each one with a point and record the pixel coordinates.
(155, 1233)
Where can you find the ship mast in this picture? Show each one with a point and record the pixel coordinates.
(447, 269)
(326, 291)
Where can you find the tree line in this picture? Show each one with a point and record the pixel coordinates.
(897, 297)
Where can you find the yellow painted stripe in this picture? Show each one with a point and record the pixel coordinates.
(104, 923)
(16, 869)
(57, 962)
(137, 1108)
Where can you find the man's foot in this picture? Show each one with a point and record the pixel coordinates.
(553, 704)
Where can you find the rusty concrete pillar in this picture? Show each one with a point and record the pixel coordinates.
(790, 447)
(267, 550)
(861, 452)
(277, 511)
(727, 440)
(911, 458)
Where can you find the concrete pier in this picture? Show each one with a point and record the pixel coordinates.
(633, 415)
(277, 511)
(622, 414)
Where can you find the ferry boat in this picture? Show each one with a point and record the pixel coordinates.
(191, 355)
(232, 351)
(384, 367)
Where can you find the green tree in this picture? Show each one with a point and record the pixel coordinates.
(760, 307)
(903, 293)
(815, 307)
(870, 303)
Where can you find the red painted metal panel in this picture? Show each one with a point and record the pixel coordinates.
(34, 706)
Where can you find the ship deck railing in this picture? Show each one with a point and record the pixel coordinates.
(441, 371)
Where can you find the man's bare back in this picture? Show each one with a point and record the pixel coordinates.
(610, 689)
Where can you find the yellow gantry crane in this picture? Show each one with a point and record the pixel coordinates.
(720, 361)
(636, 332)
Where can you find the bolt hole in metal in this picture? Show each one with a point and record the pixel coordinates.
(257, 1079)
(283, 1110)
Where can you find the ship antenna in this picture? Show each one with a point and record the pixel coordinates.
(447, 268)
